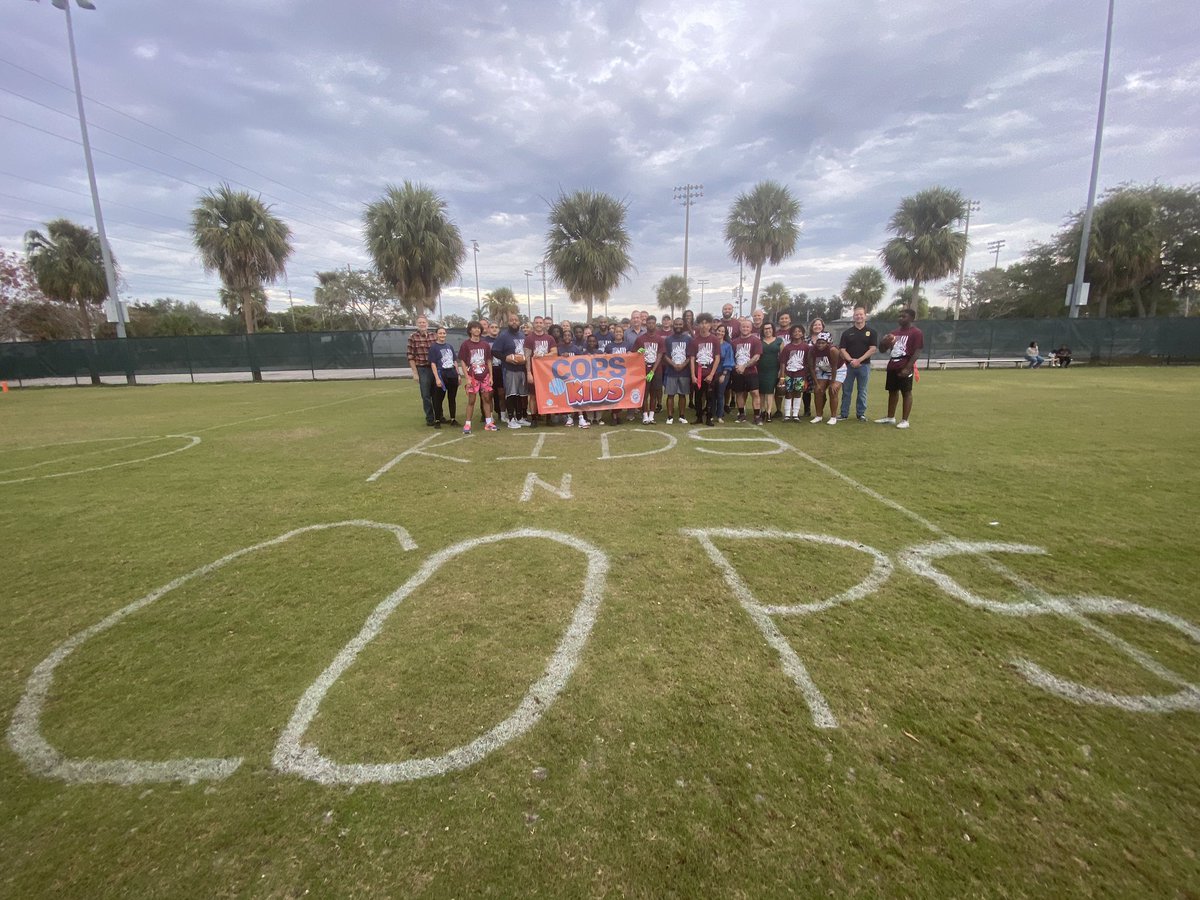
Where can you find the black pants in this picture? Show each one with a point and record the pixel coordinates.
(451, 394)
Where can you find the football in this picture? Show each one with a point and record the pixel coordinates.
(885, 342)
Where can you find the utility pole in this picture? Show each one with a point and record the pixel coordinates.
(995, 247)
(972, 206)
(1086, 229)
(528, 301)
(292, 307)
(702, 282)
(541, 267)
(688, 193)
(478, 301)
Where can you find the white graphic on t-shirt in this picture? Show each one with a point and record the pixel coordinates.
(823, 365)
(679, 353)
(447, 359)
(900, 348)
(541, 348)
(651, 353)
(795, 361)
(743, 354)
(704, 354)
(477, 361)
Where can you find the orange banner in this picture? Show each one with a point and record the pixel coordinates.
(571, 384)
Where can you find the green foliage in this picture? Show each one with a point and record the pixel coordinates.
(415, 246)
(357, 293)
(865, 287)
(775, 298)
(68, 265)
(587, 245)
(762, 228)
(904, 300)
(239, 239)
(17, 281)
(453, 320)
(926, 245)
(499, 303)
(166, 317)
(671, 292)
(39, 320)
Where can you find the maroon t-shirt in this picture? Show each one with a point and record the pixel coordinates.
(477, 357)
(826, 360)
(539, 345)
(908, 343)
(706, 351)
(793, 359)
(655, 346)
(746, 348)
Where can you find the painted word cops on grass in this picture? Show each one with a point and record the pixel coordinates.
(294, 754)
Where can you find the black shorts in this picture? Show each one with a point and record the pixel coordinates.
(896, 382)
(743, 383)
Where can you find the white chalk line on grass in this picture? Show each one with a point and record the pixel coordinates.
(532, 482)
(42, 758)
(129, 442)
(194, 440)
(289, 412)
(761, 614)
(292, 756)
(421, 448)
(605, 436)
(1075, 609)
(757, 436)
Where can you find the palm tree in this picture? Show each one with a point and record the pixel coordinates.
(499, 303)
(587, 246)
(761, 227)
(68, 266)
(672, 291)
(240, 240)
(926, 246)
(865, 287)
(415, 246)
(1125, 247)
(775, 299)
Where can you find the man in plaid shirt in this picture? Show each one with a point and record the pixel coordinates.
(418, 361)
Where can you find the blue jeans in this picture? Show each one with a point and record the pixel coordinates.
(425, 377)
(717, 403)
(1035, 361)
(861, 376)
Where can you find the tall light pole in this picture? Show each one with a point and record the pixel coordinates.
(110, 275)
(996, 247)
(541, 267)
(528, 301)
(688, 193)
(478, 301)
(972, 206)
(1086, 230)
(702, 282)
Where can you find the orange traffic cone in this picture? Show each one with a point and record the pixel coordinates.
(3, 387)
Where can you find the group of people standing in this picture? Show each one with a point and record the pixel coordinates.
(697, 367)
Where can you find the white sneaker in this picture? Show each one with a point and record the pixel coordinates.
(682, 420)
(903, 423)
(645, 418)
(670, 421)
(513, 423)
(570, 421)
(584, 423)
(503, 417)
(816, 420)
(832, 421)
(524, 423)
(888, 421)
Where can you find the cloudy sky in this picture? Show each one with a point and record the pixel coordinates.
(317, 106)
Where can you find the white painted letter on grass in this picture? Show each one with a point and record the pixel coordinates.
(293, 756)
(532, 482)
(42, 758)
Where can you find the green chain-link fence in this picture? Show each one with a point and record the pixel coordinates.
(384, 353)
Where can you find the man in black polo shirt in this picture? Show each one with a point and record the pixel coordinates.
(858, 345)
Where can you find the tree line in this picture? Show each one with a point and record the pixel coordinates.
(1143, 260)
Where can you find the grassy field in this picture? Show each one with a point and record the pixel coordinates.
(409, 711)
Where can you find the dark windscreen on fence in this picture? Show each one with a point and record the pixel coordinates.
(385, 353)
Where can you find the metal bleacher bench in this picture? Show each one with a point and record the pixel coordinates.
(978, 362)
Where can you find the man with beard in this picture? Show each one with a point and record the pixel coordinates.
(652, 346)
(418, 361)
(677, 372)
(706, 360)
(538, 343)
(509, 348)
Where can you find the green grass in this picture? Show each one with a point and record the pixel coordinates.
(679, 760)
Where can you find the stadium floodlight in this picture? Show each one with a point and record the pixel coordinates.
(110, 274)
